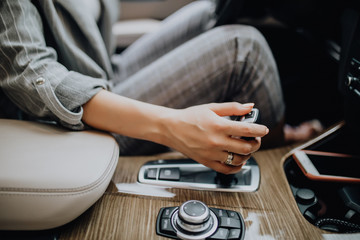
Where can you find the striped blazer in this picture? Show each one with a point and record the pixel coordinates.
(54, 56)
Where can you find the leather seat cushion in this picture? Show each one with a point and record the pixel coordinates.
(49, 175)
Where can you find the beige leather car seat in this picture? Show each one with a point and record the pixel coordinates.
(48, 175)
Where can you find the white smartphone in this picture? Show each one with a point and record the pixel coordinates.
(328, 166)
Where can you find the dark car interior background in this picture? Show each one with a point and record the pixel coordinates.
(316, 44)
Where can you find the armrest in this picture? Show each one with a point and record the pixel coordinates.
(48, 175)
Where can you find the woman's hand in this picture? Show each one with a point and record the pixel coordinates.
(199, 132)
(202, 134)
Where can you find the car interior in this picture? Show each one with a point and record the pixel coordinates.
(89, 192)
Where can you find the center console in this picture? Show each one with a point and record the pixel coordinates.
(330, 205)
(335, 205)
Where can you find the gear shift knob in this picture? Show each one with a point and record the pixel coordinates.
(226, 180)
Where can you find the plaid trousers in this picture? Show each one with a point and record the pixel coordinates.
(185, 64)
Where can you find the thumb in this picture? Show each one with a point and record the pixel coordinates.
(231, 108)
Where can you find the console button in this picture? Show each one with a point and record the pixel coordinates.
(168, 212)
(196, 209)
(151, 173)
(305, 196)
(165, 227)
(234, 234)
(219, 212)
(194, 217)
(229, 222)
(233, 214)
(221, 233)
(172, 174)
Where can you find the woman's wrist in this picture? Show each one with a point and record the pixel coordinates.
(163, 126)
(132, 118)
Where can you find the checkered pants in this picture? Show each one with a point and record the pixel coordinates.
(185, 64)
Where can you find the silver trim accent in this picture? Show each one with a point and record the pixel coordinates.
(193, 228)
(252, 187)
(193, 219)
(185, 236)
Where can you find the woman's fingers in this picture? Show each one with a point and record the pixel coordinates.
(237, 160)
(231, 108)
(220, 155)
(241, 146)
(235, 128)
(244, 129)
(222, 167)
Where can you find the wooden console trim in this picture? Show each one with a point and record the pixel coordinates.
(269, 213)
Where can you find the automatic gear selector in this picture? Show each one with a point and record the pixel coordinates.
(195, 220)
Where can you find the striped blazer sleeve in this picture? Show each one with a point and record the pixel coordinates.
(30, 73)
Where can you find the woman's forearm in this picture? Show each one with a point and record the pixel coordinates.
(111, 112)
(199, 132)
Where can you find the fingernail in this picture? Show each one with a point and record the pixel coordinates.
(248, 104)
(266, 131)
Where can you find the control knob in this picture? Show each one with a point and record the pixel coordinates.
(194, 220)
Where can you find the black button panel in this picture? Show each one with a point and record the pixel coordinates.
(234, 234)
(189, 174)
(233, 214)
(167, 213)
(172, 174)
(230, 224)
(151, 173)
(219, 212)
(167, 174)
(221, 233)
(165, 227)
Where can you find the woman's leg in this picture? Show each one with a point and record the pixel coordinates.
(186, 23)
(230, 63)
